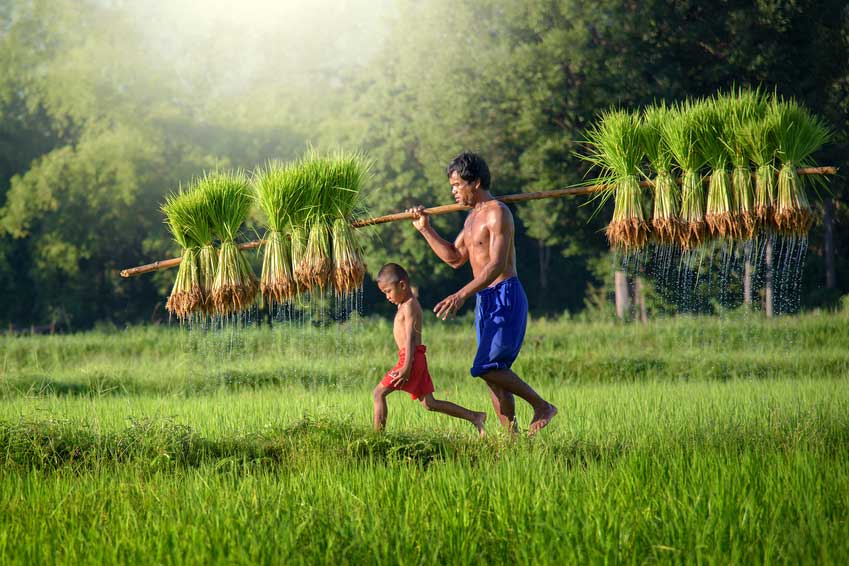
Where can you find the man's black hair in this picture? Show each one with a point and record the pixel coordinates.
(471, 167)
(392, 273)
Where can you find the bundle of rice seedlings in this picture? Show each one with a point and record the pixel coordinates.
(759, 139)
(277, 282)
(315, 268)
(744, 107)
(666, 222)
(798, 135)
(298, 234)
(350, 173)
(279, 195)
(207, 270)
(312, 260)
(332, 185)
(228, 199)
(681, 134)
(198, 226)
(186, 296)
(349, 269)
(615, 149)
(713, 145)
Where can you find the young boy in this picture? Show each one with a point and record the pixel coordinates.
(410, 374)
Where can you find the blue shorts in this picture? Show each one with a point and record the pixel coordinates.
(501, 314)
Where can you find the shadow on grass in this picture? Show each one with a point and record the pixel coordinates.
(161, 444)
(40, 385)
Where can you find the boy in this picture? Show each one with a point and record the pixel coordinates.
(410, 374)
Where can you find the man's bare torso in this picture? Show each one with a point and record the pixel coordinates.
(477, 237)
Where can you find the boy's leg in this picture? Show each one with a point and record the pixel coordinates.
(509, 382)
(454, 410)
(379, 395)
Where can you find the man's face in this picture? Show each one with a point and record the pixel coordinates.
(463, 190)
(394, 291)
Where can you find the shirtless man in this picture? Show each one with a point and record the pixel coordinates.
(501, 308)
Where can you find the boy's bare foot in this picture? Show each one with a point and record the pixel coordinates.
(542, 418)
(478, 421)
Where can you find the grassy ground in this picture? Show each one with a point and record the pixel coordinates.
(689, 440)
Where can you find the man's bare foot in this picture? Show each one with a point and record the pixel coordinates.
(542, 418)
(478, 421)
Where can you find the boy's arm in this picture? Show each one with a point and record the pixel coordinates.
(455, 255)
(412, 320)
(500, 224)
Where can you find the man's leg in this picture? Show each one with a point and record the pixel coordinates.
(504, 405)
(509, 382)
(452, 409)
(379, 395)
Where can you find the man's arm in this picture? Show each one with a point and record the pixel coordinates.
(455, 255)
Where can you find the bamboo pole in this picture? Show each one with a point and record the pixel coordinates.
(447, 209)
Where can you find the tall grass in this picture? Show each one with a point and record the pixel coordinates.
(689, 440)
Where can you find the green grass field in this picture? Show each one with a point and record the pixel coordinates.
(688, 440)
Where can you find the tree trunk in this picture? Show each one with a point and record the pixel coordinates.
(828, 237)
(640, 300)
(620, 286)
(544, 259)
(747, 283)
(768, 290)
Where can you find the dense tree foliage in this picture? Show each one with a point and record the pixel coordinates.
(106, 106)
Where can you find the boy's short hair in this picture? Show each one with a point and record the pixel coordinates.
(392, 273)
(470, 167)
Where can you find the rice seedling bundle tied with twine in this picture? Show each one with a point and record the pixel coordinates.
(350, 173)
(666, 221)
(719, 214)
(759, 140)
(335, 182)
(186, 295)
(279, 192)
(681, 134)
(742, 108)
(717, 139)
(228, 198)
(310, 205)
(615, 148)
(798, 134)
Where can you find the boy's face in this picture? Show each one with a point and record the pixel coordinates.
(463, 190)
(395, 292)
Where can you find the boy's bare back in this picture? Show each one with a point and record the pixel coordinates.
(408, 319)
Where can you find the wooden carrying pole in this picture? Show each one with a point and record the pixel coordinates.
(446, 209)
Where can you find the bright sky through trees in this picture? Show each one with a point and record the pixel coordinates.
(233, 46)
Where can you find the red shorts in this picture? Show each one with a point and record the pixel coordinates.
(419, 384)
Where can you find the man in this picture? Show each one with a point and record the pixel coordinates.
(501, 308)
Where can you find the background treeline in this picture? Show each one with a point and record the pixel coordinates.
(106, 106)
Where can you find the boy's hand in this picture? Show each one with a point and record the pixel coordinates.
(421, 217)
(399, 376)
(449, 305)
